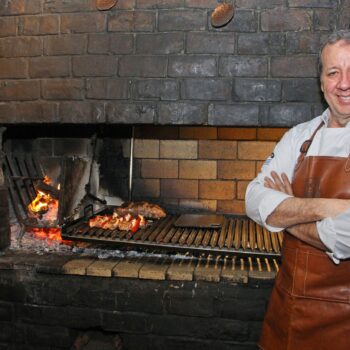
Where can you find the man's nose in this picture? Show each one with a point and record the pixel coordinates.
(344, 82)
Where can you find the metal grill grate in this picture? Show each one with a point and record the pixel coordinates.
(238, 235)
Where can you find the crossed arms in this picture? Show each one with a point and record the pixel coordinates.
(300, 215)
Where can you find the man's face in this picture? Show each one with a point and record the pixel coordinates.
(335, 81)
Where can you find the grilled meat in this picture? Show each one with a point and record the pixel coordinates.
(148, 210)
(116, 222)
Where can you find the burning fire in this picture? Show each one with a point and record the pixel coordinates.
(45, 209)
(51, 234)
(43, 201)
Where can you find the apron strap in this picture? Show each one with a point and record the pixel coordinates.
(306, 145)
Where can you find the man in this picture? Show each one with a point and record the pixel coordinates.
(304, 188)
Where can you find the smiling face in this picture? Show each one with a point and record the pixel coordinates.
(335, 81)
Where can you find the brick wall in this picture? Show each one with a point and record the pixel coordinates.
(161, 62)
(202, 168)
(44, 306)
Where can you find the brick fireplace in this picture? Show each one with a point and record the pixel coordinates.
(207, 106)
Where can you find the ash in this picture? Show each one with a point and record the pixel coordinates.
(32, 244)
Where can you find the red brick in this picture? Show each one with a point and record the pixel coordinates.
(20, 47)
(63, 89)
(126, 4)
(216, 189)
(36, 112)
(241, 189)
(236, 169)
(179, 189)
(303, 66)
(13, 68)
(20, 7)
(7, 112)
(49, 67)
(159, 168)
(255, 150)
(198, 133)
(211, 4)
(107, 88)
(237, 133)
(59, 6)
(197, 169)
(8, 26)
(83, 23)
(94, 65)
(231, 207)
(179, 149)
(146, 148)
(81, 112)
(282, 19)
(217, 149)
(271, 134)
(65, 44)
(19, 90)
(129, 21)
(259, 165)
(152, 4)
(39, 25)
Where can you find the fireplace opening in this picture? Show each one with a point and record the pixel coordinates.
(88, 180)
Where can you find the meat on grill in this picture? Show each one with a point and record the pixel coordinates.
(122, 223)
(148, 210)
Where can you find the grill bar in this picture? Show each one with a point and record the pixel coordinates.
(238, 235)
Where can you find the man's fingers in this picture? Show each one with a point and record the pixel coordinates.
(279, 183)
(287, 184)
(276, 178)
(269, 183)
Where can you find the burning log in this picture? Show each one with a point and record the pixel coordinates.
(41, 186)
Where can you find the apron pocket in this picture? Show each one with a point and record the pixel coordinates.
(326, 280)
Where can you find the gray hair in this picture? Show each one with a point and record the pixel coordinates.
(332, 39)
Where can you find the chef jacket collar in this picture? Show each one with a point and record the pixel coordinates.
(325, 118)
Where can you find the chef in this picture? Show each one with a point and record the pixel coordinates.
(304, 189)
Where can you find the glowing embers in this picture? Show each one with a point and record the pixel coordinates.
(49, 234)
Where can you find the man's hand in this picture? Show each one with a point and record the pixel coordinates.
(278, 183)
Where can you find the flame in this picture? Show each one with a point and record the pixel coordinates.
(45, 209)
(47, 180)
(40, 203)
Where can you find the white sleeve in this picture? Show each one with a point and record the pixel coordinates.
(335, 235)
(261, 201)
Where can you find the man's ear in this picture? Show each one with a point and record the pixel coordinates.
(321, 84)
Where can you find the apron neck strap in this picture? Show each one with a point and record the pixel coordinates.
(306, 145)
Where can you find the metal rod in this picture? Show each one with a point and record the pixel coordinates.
(131, 161)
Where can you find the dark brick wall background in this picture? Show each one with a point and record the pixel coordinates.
(162, 62)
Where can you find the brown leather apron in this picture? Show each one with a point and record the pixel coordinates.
(309, 308)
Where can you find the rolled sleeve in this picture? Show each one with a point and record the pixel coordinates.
(261, 202)
(268, 205)
(335, 235)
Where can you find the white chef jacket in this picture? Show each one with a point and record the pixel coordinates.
(261, 201)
